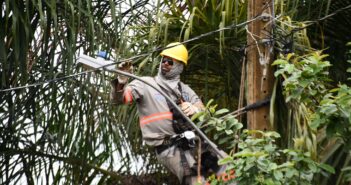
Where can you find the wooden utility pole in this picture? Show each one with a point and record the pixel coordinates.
(259, 58)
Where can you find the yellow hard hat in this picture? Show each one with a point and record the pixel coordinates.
(178, 52)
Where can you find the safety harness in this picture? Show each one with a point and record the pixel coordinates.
(180, 140)
(179, 124)
(184, 142)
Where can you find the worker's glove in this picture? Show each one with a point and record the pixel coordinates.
(189, 109)
(126, 67)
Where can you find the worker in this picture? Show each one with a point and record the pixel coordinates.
(161, 125)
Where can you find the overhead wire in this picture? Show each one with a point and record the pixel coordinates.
(183, 42)
(131, 58)
(142, 55)
(319, 20)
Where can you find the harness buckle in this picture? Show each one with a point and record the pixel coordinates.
(190, 137)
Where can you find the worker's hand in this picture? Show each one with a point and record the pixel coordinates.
(126, 67)
(188, 108)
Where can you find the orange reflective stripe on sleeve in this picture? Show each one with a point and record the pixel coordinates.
(127, 96)
(155, 117)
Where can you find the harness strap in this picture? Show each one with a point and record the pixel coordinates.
(184, 162)
(179, 124)
(169, 143)
(160, 148)
(174, 141)
(179, 97)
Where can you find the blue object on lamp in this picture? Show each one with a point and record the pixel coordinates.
(102, 54)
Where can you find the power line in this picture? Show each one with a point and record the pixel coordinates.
(332, 14)
(319, 20)
(131, 58)
(47, 81)
(184, 42)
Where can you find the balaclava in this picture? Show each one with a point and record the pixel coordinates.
(171, 79)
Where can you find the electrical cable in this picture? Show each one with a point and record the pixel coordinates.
(201, 134)
(159, 49)
(131, 58)
(319, 20)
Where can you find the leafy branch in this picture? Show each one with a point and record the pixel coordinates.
(258, 160)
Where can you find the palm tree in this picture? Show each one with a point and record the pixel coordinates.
(66, 131)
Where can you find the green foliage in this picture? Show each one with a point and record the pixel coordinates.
(67, 133)
(223, 129)
(349, 60)
(306, 83)
(347, 171)
(304, 77)
(334, 113)
(215, 60)
(64, 132)
(260, 161)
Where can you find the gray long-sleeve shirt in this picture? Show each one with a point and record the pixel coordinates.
(154, 114)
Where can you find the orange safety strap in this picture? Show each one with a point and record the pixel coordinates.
(155, 117)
